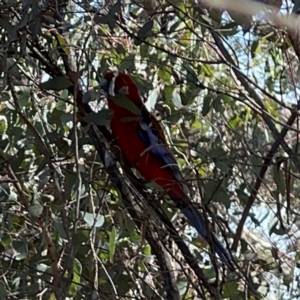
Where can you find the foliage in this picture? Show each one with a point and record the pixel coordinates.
(77, 223)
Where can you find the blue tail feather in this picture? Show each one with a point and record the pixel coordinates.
(196, 220)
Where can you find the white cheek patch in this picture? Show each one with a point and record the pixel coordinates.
(111, 90)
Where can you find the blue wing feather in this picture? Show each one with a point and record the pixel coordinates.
(150, 137)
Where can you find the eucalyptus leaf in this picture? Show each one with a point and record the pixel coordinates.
(128, 63)
(23, 95)
(59, 227)
(102, 118)
(20, 249)
(152, 99)
(6, 25)
(207, 104)
(3, 124)
(176, 98)
(76, 278)
(4, 192)
(36, 210)
(124, 102)
(56, 84)
(230, 290)
(3, 291)
(90, 95)
(91, 220)
(112, 243)
(144, 32)
(115, 8)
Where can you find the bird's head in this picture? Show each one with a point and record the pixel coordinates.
(115, 83)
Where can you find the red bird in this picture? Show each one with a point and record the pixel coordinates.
(142, 142)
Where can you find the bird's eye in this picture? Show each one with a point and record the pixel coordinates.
(124, 90)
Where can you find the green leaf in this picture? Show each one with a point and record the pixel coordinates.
(165, 74)
(296, 6)
(217, 153)
(191, 75)
(207, 19)
(207, 104)
(13, 68)
(144, 50)
(3, 292)
(13, 196)
(152, 99)
(76, 278)
(168, 91)
(36, 210)
(102, 19)
(230, 290)
(35, 28)
(59, 227)
(176, 98)
(147, 250)
(279, 179)
(177, 26)
(227, 99)
(222, 165)
(152, 185)
(6, 25)
(112, 243)
(4, 192)
(129, 227)
(127, 63)
(217, 104)
(280, 230)
(109, 19)
(3, 124)
(207, 69)
(144, 32)
(222, 197)
(182, 286)
(215, 192)
(124, 102)
(63, 146)
(234, 121)
(5, 96)
(56, 84)
(102, 118)
(254, 46)
(11, 3)
(115, 8)
(6, 240)
(123, 284)
(90, 219)
(63, 43)
(66, 118)
(111, 23)
(256, 163)
(21, 250)
(61, 103)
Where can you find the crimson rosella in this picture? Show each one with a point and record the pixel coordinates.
(141, 140)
